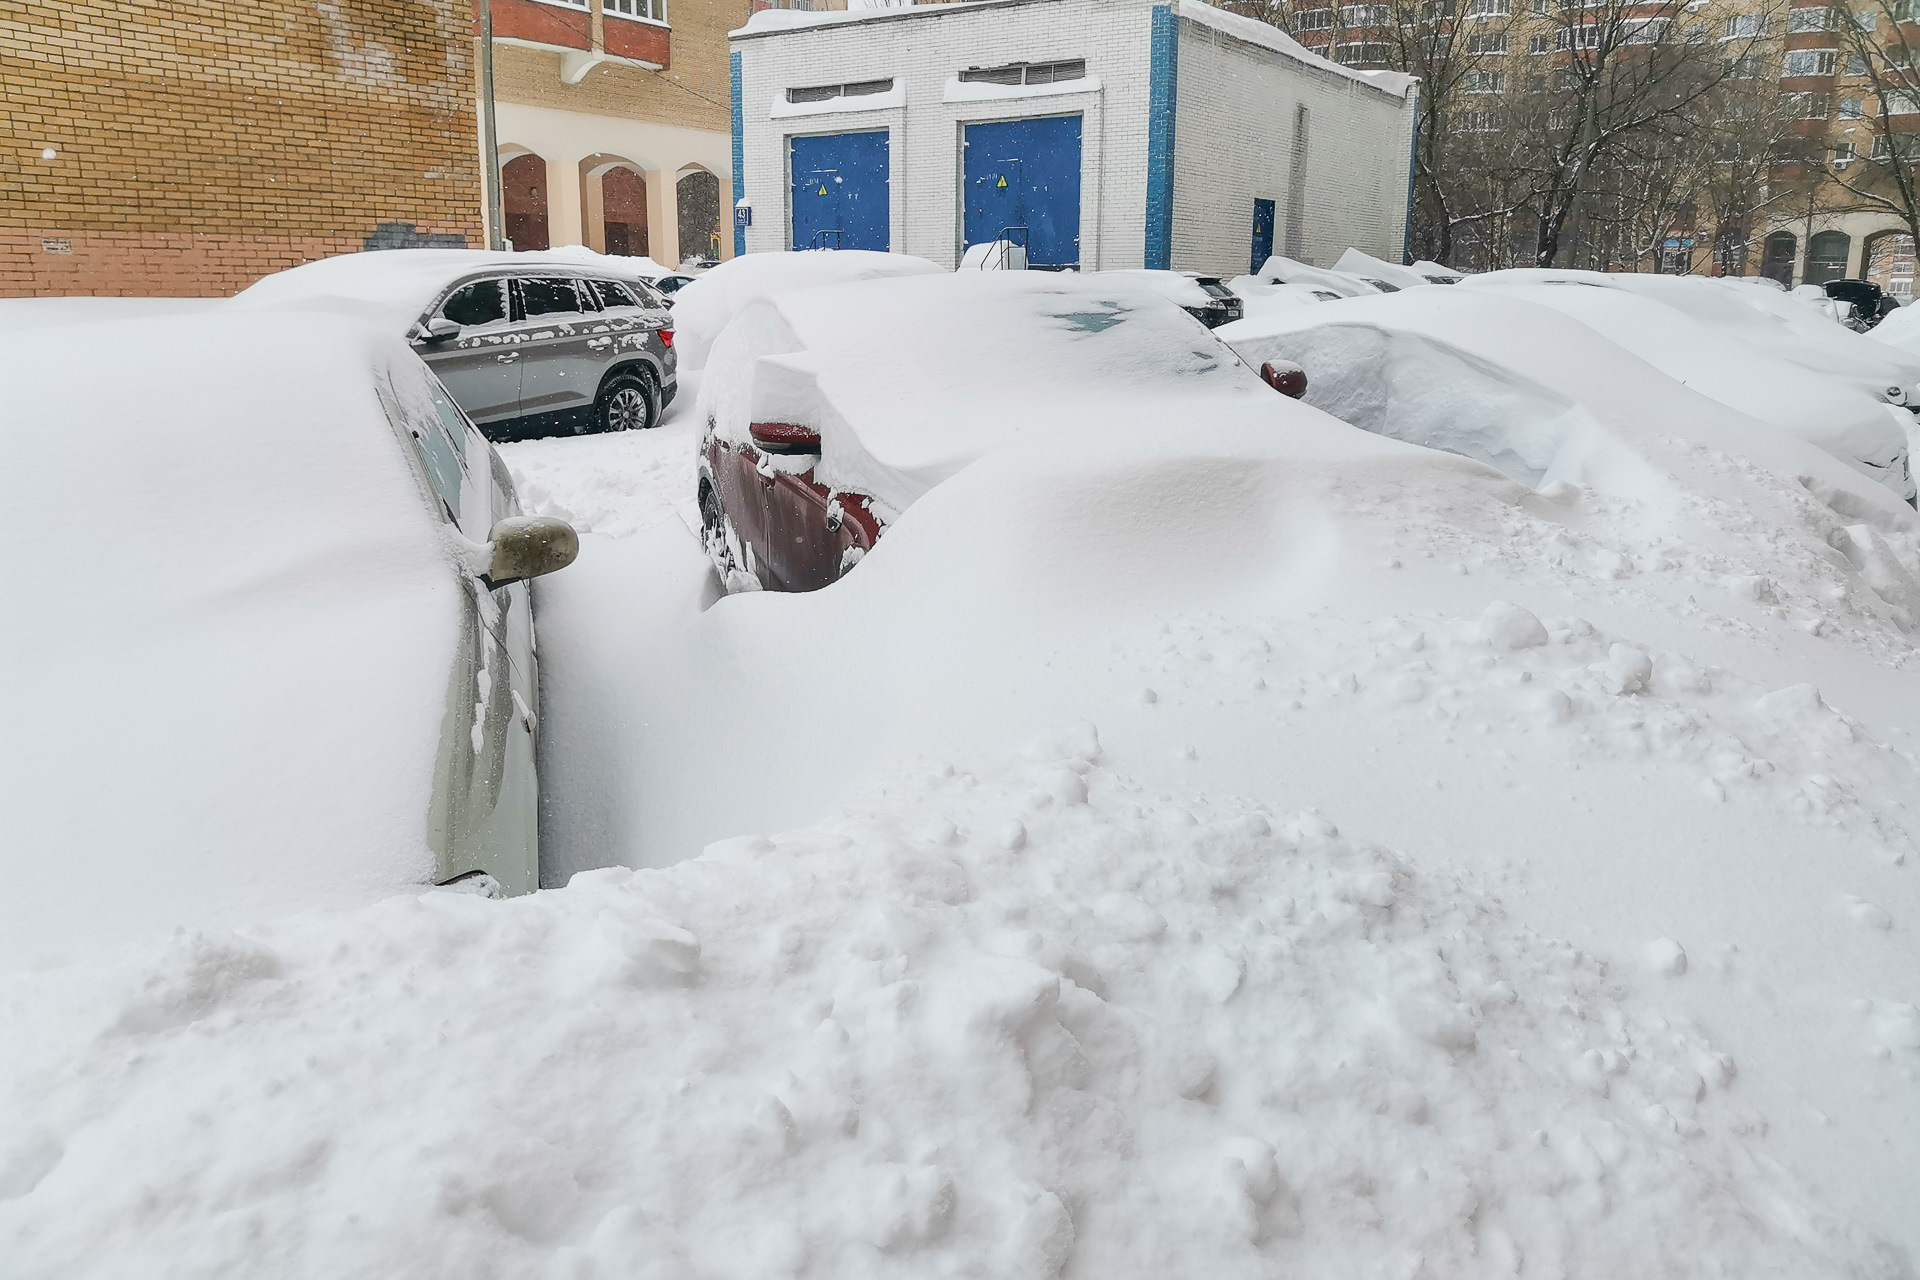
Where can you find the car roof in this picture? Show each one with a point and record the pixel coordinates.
(243, 605)
(395, 287)
(910, 379)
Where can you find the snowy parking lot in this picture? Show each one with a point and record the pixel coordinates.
(1210, 851)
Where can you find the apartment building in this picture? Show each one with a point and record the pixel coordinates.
(1794, 54)
(192, 147)
(612, 124)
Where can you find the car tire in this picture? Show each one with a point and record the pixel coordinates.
(723, 544)
(627, 403)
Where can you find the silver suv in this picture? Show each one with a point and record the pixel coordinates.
(543, 349)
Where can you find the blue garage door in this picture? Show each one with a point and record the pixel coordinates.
(1262, 233)
(1026, 173)
(840, 191)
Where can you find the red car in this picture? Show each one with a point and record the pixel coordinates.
(830, 410)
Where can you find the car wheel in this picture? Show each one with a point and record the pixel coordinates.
(628, 403)
(723, 544)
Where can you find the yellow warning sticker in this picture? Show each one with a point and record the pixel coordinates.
(823, 188)
(1003, 180)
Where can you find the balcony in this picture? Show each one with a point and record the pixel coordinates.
(588, 33)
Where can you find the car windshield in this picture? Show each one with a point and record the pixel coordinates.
(1214, 289)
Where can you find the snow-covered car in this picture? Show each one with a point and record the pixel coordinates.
(1863, 431)
(280, 654)
(1278, 270)
(829, 411)
(1417, 275)
(705, 307)
(527, 343)
(1778, 324)
(1526, 389)
(1207, 299)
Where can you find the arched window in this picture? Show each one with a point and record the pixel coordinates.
(1827, 256)
(623, 204)
(1777, 262)
(523, 192)
(699, 196)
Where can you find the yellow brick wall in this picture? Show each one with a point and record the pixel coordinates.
(199, 144)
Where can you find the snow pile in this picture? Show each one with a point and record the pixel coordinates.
(1900, 330)
(1032, 1021)
(616, 484)
(701, 310)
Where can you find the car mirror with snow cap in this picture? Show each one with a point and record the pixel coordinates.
(1286, 377)
(439, 328)
(784, 437)
(528, 547)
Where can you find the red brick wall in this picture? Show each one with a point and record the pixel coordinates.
(628, 39)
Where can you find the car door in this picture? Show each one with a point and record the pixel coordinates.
(558, 372)
(480, 366)
(626, 326)
(484, 812)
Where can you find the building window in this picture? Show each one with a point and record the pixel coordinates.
(1487, 44)
(1360, 55)
(1852, 109)
(1901, 104)
(1820, 19)
(1867, 20)
(1489, 8)
(653, 10)
(1484, 82)
(1435, 10)
(1808, 62)
(1843, 154)
(1480, 121)
(1745, 26)
(855, 89)
(1365, 15)
(1743, 68)
(1025, 73)
(1313, 20)
(1541, 43)
(1806, 106)
(1642, 30)
(1587, 37)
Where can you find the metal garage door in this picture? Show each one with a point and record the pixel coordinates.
(1026, 174)
(840, 191)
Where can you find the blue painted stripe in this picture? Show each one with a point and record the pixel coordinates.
(739, 153)
(1161, 100)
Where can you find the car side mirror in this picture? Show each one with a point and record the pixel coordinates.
(439, 329)
(784, 437)
(529, 547)
(1284, 376)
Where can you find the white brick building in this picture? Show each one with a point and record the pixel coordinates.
(1103, 133)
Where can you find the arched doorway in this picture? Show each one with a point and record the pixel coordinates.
(1776, 262)
(523, 195)
(698, 198)
(1827, 256)
(623, 207)
(1889, 262)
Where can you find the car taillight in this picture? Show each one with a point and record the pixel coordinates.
(666, 337)
(1287, 379)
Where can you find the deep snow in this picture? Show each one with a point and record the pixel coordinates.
(1461, 880)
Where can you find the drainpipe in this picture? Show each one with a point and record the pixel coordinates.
(489, 142)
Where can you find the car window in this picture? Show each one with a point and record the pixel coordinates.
(1214, 289)
(482, 302)
(616, 294)
(541, 296)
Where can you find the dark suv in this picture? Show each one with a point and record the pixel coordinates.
(540, 350)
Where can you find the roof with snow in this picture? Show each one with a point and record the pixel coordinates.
(773, 22)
